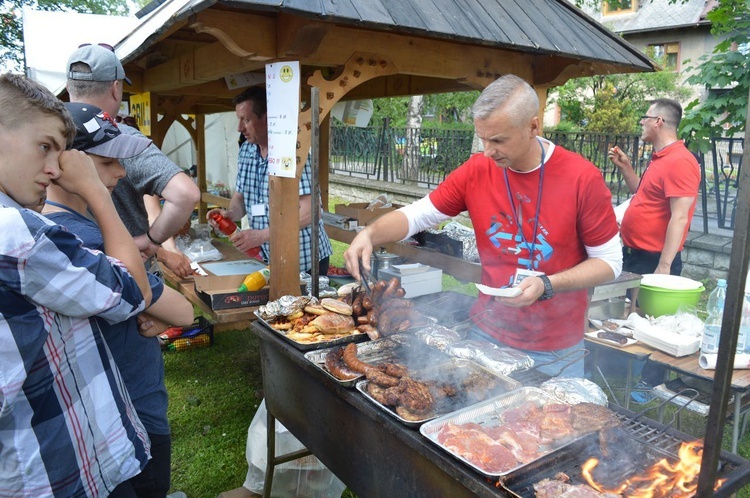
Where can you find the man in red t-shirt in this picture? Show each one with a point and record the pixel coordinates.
(533, 206)
(657, 221)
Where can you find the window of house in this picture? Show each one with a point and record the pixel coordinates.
(667, 52)
(611, 7)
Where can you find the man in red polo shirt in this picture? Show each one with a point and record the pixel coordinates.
(656, 223)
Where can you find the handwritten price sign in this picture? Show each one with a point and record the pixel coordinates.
(282, 93)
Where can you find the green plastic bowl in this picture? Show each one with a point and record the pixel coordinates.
(657, 301)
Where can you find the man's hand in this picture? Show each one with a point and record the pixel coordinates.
(619, 158)
(176, 261)
(532, 289)
(222, 212)
(148, 326)
(244, 240)
(144, 245)
(78, 174)
(359, 249)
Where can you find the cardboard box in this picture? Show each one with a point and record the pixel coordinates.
(359, 211)
(221, 292)
(416, 284)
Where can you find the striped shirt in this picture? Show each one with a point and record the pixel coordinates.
(252, 183)
(67, 425)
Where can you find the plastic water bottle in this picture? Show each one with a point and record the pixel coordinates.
(715, 310)
(256, 281)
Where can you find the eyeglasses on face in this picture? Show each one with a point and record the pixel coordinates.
(652, 117)
(104, 45)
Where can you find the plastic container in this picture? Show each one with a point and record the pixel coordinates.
(255, 281)
(715, 310)
(657, 301)
(228, 228)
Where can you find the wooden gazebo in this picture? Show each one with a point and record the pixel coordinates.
(183, 50)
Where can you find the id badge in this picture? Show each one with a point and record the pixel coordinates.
(522, 273)
(258, 210)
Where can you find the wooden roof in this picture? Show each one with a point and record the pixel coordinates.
(350, 49)
(187, 47)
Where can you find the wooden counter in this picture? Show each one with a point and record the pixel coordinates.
(456, 267)
(237, 318)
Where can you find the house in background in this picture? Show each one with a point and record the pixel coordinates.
(676, 31)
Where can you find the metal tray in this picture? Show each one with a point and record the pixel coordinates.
(309, 346)
(450, 373)
(400, 348)
(489, 413)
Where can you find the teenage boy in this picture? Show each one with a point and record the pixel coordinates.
(139, 357)
(67, 425)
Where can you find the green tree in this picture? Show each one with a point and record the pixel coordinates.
(11, 36)
(612, 103)
(723, 112)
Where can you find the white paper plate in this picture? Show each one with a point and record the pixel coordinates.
(494, 291)
(593, 336)
(624, 327)
(411, 269)
(671, 282)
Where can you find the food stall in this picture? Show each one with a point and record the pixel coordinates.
(188, 58)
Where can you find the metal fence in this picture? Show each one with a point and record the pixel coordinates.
(423, 157)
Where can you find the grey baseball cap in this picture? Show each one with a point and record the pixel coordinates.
(101, 58)
(97, 133)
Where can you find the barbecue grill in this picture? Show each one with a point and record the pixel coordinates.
(376, 455)
(641, 442)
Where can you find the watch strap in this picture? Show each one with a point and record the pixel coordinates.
(549, 292)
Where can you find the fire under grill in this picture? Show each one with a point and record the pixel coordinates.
(627, 451)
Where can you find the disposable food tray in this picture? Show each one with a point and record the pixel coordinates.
(309, 346)
(452, 373)
(489, 413)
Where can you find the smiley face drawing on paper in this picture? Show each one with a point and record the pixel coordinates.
(286, 73)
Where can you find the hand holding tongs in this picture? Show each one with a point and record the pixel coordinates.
(364, 277)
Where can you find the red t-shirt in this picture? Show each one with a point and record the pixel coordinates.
(672, 172)
(576, 210)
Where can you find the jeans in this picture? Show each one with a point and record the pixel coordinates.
(547, 362)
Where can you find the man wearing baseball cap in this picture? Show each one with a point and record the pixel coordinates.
(96, 76)
(137, 355)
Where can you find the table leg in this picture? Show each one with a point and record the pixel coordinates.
(270, 453)
(736, 424)
(628, 381)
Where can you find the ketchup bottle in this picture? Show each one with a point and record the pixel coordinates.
(229, 228)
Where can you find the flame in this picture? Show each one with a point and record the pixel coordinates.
(661, 479)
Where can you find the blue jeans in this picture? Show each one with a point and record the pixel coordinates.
(547, 359)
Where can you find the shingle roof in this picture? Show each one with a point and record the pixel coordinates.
(655, 15)
(553, 27)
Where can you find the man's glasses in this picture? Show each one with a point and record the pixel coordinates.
(653, 117)
(103, 45)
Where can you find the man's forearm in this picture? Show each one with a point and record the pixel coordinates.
(587, 274)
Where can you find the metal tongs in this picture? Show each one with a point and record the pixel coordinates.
(364, 278)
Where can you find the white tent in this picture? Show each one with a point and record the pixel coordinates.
(45, 61)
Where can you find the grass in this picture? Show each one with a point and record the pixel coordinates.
(212, 394)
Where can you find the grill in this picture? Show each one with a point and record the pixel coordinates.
(633, 447)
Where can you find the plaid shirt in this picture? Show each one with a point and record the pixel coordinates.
(67, 426)
(252, 183)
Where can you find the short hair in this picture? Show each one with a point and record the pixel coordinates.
(670, 111)
(257, 96)
(22, 99)
(79, 89)
(510, 93)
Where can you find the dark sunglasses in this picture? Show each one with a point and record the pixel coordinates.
(104, 45)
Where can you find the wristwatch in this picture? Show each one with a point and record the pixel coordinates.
(549, 292)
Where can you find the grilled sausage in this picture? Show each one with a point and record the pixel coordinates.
(367, 302)
(390, 291)
(351, 360)
(335, 365)
(611, 336)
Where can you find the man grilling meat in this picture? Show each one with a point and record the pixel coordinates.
(534, 206)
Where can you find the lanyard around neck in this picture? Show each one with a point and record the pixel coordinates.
(532, 246)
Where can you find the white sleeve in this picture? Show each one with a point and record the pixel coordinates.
(422, 214)
(610, 252)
